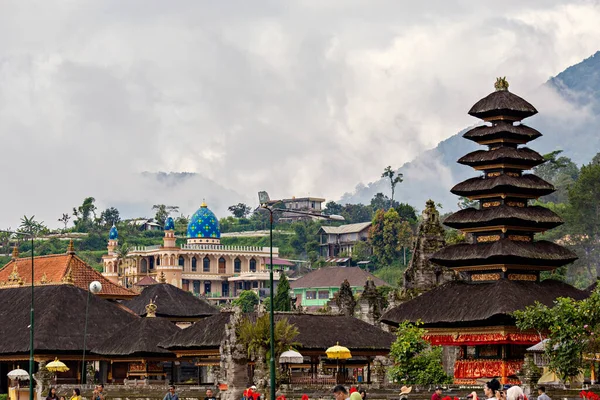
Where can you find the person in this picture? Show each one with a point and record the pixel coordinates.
(305, 397)
(514, 393)
(62, 398)
(355, 396)
(98, 393)
(363, 394)
(280, 396)
(542, 393)
(404, 391)
(340, 393)
(171, 395)
(76, 394)
(210, 395)
(491, 389)
(52, 394)
(352, 390)
(255, 394)
(437, 394)
(247, 395)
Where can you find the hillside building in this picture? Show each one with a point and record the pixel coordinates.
(312, 205)
(335, 240)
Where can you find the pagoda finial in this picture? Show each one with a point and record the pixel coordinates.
(68, 278)
(501, 84)
(15, 253)
(151, 309)
(203, 205)
(71, 248)
(162, 278)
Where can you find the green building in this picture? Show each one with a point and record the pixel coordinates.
(316, 288)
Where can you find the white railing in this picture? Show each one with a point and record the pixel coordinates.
(219, 247)
(145, 248)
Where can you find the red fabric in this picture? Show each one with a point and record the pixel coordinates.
(305, 397)
(487, 338)
(353, 389)
(474, 369)
(248, 393)
(282, 397)
(255, 395)
(436, 396)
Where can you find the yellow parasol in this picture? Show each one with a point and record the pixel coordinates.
(57, 366)
(338, 352)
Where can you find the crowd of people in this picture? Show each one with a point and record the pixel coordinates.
(97, 394)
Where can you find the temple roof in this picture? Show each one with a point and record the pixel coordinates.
(59, 315)
(502, 103)
(502, 130)
(348, 331)
(146, 281)
(504, 251)
(527, 185)
(460, 302)
(334, 277)
(138, 338)
(60, 269)
(523, 156)
(172, 303)
(534, 217)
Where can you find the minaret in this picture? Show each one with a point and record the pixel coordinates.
(169, 239)
(169, 266)
(110, 260)
(113, 240)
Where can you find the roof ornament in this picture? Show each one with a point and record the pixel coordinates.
(15, 253)
(71, 248)
(14, 276)
(162, 278)
(44, 279)
(151, 309)
(203, 205)
(68, 278)
(501, 84)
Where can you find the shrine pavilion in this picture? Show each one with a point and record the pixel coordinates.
(501, 261)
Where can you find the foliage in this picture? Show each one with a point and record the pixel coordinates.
(65, 220)
(572, 328)
(32, 227)
(282, 299)
(162, 212)
(416, 362)
(110, 216)
(405, 239)
(376, 233)
(240, 210)
(407, 213)
(361, 251)
(381, 202)
(393, 275)
(395, 178)
(464, 202)
(391, 234)
(246, 301)
(332, 208)
(562, 172)
(454, 236)
(355, 213)
(83, 214)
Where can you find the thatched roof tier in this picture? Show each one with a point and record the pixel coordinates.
(527, 185)
(59, 315)
(522, 158)
(536, 218)
(171, 302)
(139, 338)
(461, 304)
(313, 334)
(502, 132)
(502, 104)
(541, 254)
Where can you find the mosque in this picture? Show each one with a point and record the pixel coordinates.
(203, 265)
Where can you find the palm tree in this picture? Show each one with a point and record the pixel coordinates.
(388, 172)
(122, 253)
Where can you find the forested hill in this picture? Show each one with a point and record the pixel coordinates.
(569, 123)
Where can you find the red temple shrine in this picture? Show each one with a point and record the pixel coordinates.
(501, 262)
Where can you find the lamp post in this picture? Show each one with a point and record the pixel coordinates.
(263, 199)
(31, 317)
(95, 287)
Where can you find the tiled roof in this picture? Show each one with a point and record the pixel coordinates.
(54, 269)
(146, 281)
(348, 228)
(334, 277)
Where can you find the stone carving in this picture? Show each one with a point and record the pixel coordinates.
(421, 275)
(345, 299)
(234, 360)
(371, 304)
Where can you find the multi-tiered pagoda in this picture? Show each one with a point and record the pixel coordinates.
(501, 261)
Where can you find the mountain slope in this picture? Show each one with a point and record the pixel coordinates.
(569, 114)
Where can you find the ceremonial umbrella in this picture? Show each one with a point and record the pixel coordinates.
(57, 366)
(291, 357)
(18, 374)
(338, 353)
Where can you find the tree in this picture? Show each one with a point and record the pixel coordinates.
(572, 328)
(361, 251)
(332, 208)
(405, 238)
(416, 362)
(122, 253)
(407, 213)
(381, 202)
(376, 233)
(464, 202)
(31, 226)
(282, 299)
(162, 212)
(562, 172)
(246, 301)
(110, 216)
(395, 179)
(354, 213)
(240, 210)
(391, 233)
(65, 220)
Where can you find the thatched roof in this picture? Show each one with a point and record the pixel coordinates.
(139, 338)
(316, 332)
(171, 302)
(334, 277)
(502, 130)
(527, 184)
(503, 155)
(504, 251)
(535, 217)
(502, 103)
(59, 319)
(460, 302)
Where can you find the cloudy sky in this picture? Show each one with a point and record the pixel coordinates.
(294, 97)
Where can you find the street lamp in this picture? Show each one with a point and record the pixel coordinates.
(31, 319)
(95, 287)
(263, 199)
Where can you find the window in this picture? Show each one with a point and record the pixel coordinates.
(206, 264)
(222, 265)
(253, 265)
(310, 295)
(254, 285)
(323, 294)
(157, 261)
(181, 261)
(194, 264)
(237, 266)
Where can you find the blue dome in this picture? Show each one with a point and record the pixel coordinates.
(204, 224)
(113, 234)
(169, 224)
